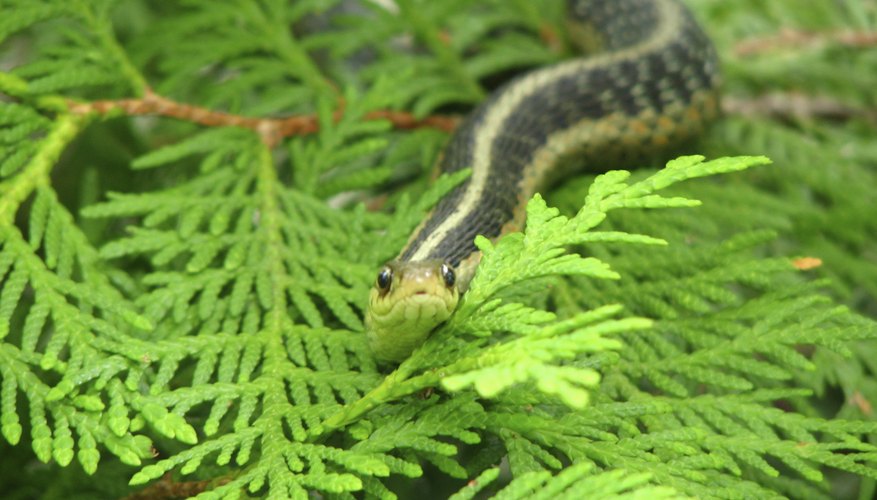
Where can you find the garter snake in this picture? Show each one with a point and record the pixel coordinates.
(652, 84)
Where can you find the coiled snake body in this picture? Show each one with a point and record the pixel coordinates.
(652, 84)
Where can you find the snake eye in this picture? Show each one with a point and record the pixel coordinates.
(385, 278)
(448, 275)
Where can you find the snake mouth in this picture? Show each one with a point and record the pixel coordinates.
(417, 306)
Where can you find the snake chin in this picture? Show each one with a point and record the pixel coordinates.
(415, 308)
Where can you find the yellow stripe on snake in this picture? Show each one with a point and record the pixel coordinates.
(652, 85)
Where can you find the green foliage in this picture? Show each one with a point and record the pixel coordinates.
(182, 303)
(574, 482)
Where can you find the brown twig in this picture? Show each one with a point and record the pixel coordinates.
(403, 120)
(795, 105)
(270, 129)
(167, 488)
(550, 37)
(790, 38)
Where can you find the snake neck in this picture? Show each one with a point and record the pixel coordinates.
(653, 87)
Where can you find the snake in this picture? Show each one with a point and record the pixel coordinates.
(647, 81)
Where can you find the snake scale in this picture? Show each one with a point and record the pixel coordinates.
(652, 84)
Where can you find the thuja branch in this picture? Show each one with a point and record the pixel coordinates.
(394, 386)
(101, 25)
(272, 130)
(432, 38)
(14, 191)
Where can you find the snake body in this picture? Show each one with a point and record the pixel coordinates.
(653, 84)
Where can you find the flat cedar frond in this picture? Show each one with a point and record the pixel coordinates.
(181, 297)
(573, 482)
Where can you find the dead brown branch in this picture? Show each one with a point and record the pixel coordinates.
(795, 105)
(272, 130)
(167, 488)
(797, 39)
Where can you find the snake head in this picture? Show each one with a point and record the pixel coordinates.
(407, 301)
